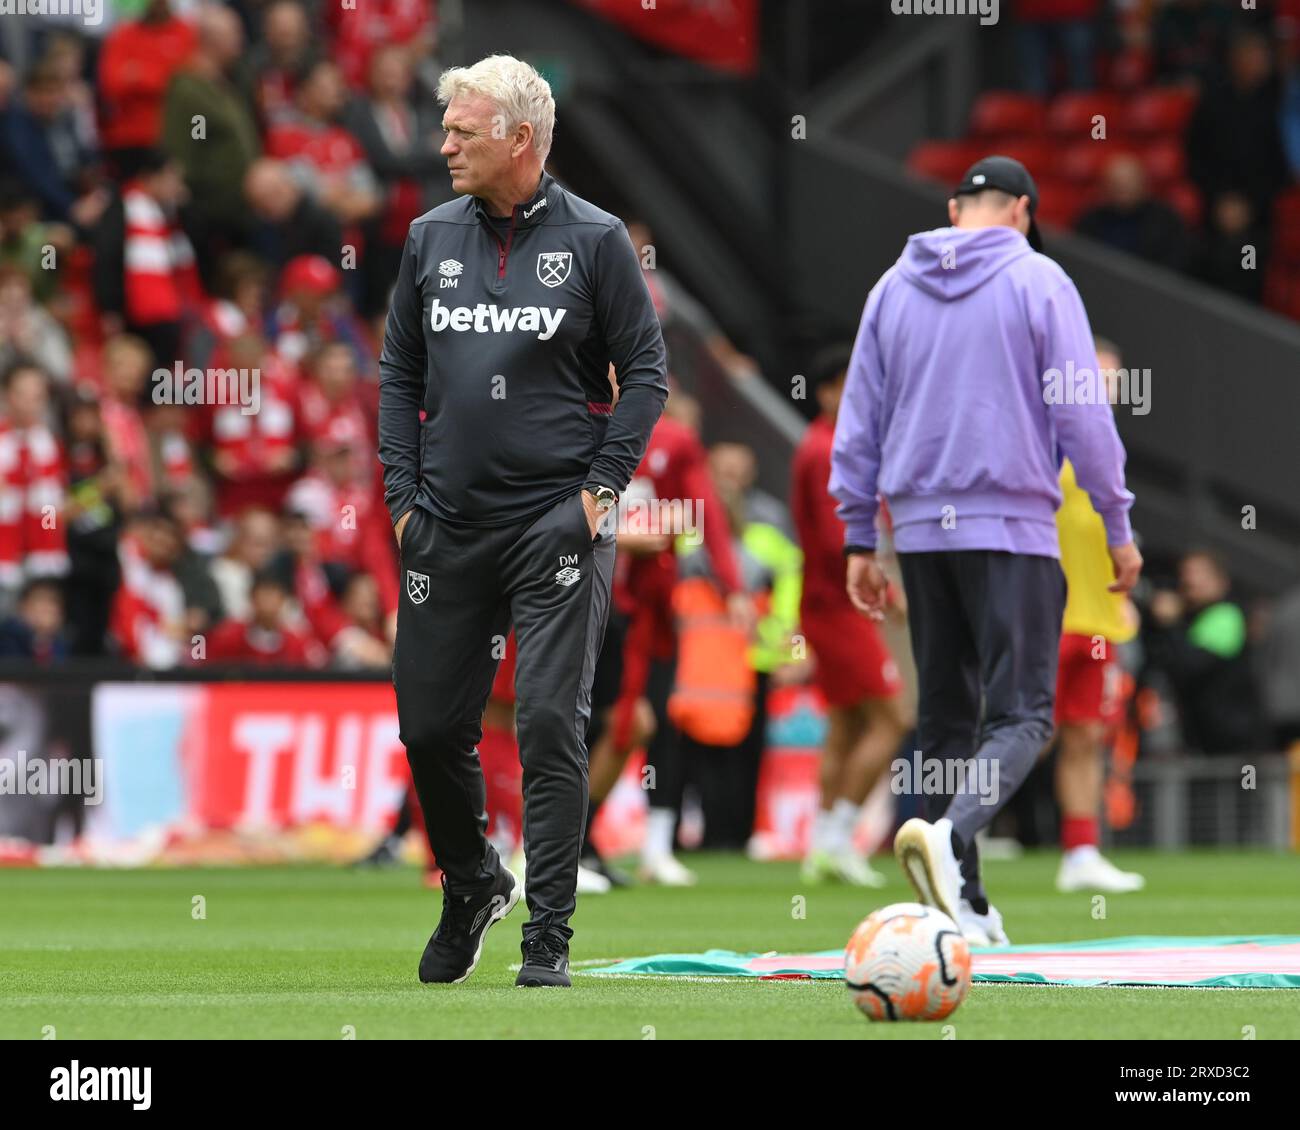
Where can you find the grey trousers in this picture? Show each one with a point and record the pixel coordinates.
(986, 633)
(461, 589)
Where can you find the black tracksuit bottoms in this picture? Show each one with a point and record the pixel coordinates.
(986, 635)
(462, 588)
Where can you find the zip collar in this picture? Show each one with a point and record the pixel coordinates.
(530, 212)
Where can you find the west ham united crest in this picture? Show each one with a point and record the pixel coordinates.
(417, 586)
(553, 267)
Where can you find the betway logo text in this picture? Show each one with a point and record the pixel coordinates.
(487, 318)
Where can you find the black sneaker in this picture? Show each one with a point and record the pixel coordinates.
(546, 961)
(457, 944)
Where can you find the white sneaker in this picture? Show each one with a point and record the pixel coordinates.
(1086, 869)
(592, 882)
(589, 882)
(817, 867)
(981, 929)
(856, 870)
(851, 868)
(924, 852)
(666, 871)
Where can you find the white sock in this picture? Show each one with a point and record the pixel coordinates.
(844, 817)
(822, 838)
(1084, 853)
(659, 825)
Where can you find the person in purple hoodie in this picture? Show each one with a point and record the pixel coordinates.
(973, 375)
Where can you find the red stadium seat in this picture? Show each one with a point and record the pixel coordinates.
(1084, 161)
(1282, 290)
(1071, 115)
(1164, 110)
(1184, 198)
(1061, 202)
(944, 161)
(1001, 113)
(1164, 162)
(1286, 227)
(1036, 154)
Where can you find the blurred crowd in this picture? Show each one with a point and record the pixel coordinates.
(1234, 183)
(227, 187)
(186, 190)
(202, 188)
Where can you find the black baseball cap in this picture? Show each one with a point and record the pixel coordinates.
(1008, 175)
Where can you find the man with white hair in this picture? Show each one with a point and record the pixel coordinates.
(510, 304)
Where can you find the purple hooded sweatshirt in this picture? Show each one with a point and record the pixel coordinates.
(946, 412)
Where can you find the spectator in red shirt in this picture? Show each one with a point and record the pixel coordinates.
(127, 361)
(33, 483)
(146, 279)
(350, 639)
(331, 392)
(327, 160)
(255, 453)
(265, 638)
(368, 25)
(353, 532)
(150, 621)
(136, 63)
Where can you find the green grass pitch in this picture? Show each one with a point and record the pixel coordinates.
(313, 952)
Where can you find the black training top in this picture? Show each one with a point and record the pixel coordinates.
(504, 340)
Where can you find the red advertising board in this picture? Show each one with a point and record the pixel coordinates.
(277, 755)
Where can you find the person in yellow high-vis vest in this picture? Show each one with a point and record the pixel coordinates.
(1096, 620)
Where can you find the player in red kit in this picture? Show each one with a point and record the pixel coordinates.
(671, 493)
(856, 674)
